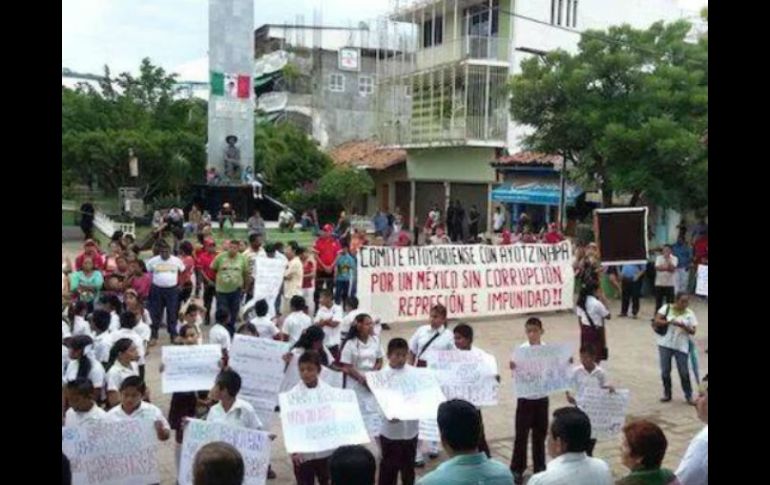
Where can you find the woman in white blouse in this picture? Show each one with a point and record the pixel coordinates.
(592, 314)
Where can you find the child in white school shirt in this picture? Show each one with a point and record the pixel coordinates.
(80, 325)
(265, 326)
(132, 406)
(329, 317)
(100, 323)
(123, 357)
(84, 365)
(588, 374)
(83, 408)
(128, 330)
(219, 333)
(295, 323)
(231, 409)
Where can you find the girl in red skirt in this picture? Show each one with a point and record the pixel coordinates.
(592, 314)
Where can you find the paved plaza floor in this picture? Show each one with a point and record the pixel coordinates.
(633, 365)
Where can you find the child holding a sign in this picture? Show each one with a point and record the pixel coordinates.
(132, 390)
(310, 466)
(588, 374)
(434, 336)
(312, 339)
(531, 415)
(398, 439)
(464, 341)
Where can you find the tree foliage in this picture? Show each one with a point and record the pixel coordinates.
(629, 108)
(287, 157)
(346, 185)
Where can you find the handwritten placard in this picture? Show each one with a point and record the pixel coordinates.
(467, 375)
(409, 393)
(321, 419)
(260, 364)
(254, 446)
(702, 286)
(190, 367)
(268, 277)
(112, 453)
(606, 410)
(541, 370)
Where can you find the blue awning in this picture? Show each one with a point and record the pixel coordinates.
(535, 194)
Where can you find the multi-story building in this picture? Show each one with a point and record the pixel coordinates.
(444, 96)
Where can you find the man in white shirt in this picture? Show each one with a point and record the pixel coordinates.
(230, 409)
(568, 441)
(164, 293)
(680, 324)
(665, 276)
(694, 468)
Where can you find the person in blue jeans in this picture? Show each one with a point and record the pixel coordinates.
(631, 284)
(164, 293)
(679, 322)
(343, 275)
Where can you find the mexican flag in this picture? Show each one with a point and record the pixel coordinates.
(231, 85)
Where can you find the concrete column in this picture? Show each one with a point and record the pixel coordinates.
(412, 194)
(489, 227)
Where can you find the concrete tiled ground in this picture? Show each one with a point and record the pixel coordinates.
(633, 364)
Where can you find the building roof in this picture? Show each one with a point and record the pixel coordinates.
(528, 159)
(366, 154)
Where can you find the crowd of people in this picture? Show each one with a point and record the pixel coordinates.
(115, 303)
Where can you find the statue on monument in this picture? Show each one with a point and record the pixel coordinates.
(232, 158)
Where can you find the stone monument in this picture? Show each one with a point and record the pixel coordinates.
(231, 93)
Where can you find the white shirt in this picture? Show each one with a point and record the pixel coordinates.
(595, 309)
(665, 278)
(145, 332)
(241, 414)
(574, 469)
(165, 272)
(332, 333)
(676, 338)
(80, 326)
(499, 220)
(65, 359)
(65, 330)
(423, 335)
(582, 379)
(302, 388)
(348, 319)
(96, 375)
(118, 373)
(147, 411)
(219, 335)
(397, 429)
(114, 322)
(694, 468)
(362, 355)
(95, 414)
(130, 333)
(291, 376)
(102, 345)
(296, 323)
(265, 327)
(292, 284)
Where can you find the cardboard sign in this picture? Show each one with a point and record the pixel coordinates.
(407, 394)
(541, 370)
(189, 367)
(606, 410)
(467, 375)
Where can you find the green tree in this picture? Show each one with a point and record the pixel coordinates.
(629, 109)
(346, 185)
(287, 156)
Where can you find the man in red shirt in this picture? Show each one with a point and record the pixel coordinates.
(326, 250)
(90, 250)
(208, 276)
(553, 236)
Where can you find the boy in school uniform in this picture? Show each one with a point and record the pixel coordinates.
(398, 439)
(132, 406)
(531, 415)
(100, 323)
(230, 409)
(83, 409)
(329, 317)
(219, 333)
(265, 326)
(588, 374)
(297, 321)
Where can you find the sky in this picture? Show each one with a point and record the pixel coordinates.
(173, 33)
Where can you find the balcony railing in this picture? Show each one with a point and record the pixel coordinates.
(461, 130)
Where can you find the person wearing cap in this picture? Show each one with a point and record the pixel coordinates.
(208, 276)
(164, 293)
(90, 250)
(232, 275)
(327, 249)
